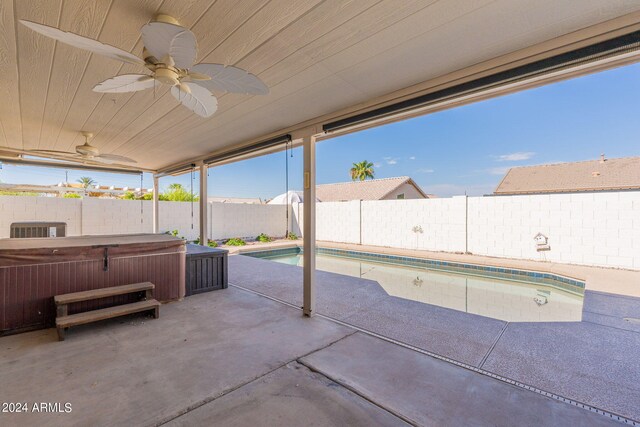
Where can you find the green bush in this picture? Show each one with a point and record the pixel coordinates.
(236, 241)
(18, 193)
(197, 241)
(212, 243)
(71, 196)
(264, 238)
(292, 236)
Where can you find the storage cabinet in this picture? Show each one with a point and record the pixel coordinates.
(206, 269)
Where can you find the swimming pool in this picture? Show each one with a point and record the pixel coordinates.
(501, 293)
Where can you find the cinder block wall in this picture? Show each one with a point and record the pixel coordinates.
(601, 229)
(107, 216)
(246, 220)
(391, 223)
(23, 208)
(339, 221)
(177, 216)
(592, 228)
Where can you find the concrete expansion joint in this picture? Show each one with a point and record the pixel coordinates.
(210, 399)
(478, 370)
(495, 342)
(355, 391)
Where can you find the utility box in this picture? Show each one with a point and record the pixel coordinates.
(206, 269)
(37, 229)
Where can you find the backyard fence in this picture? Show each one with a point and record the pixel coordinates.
(600, 229)
(93, 216)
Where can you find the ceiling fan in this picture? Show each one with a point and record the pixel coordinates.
(85, 151)
(169, 53)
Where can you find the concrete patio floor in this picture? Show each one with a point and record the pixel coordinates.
(235, 358)
(593, 362)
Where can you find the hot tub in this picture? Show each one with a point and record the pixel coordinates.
(32, 271)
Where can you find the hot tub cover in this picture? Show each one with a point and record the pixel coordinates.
(59, 249)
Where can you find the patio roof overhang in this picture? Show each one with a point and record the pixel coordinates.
(324, 60)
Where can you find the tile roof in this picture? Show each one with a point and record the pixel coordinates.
(593, 175)
(373, 189)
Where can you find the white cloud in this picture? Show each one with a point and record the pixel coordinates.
(515, 157)
(425, 170)
(412, 158)
(390, 160)
(498, 171)
(377, 165)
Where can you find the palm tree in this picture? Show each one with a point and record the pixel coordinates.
(361, 171)
(86, 181)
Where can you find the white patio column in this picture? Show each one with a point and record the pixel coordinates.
(309, 232)
(156, 204)
(204, 233)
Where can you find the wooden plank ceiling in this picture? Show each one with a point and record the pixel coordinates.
(317, 57)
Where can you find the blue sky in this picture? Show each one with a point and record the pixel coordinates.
(466, 149)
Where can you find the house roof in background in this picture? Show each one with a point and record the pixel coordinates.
(592, 175)
(250, 200)
(374, 189)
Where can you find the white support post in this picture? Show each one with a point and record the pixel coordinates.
(156, 204)
(204, 233)
(309, 233)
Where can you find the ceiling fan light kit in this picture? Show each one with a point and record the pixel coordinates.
(169, 53)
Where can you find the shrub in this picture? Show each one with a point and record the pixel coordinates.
(197, 241)
(264, 238)
(212, 243)
(71, 196)
(292, 236)
(236, 241)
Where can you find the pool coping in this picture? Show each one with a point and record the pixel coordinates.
(614, 281)
(561, 281)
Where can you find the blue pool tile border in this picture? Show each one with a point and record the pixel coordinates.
(499, 272)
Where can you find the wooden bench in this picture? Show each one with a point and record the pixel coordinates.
(65, 320)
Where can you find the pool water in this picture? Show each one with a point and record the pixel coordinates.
(486, 294)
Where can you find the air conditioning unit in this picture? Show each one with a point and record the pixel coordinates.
(38, 229)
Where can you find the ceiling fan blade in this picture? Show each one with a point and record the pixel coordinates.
(200, 100)
(56, 152)
(113, 158)
(125, 83)
(83, 43)
(230, 79)
(162, 39)
(96, 159)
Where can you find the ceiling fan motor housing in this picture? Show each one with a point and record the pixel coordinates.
(167, 76)
(87, 150)
(169, 52)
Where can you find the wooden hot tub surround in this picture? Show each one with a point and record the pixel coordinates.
(32, 271)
